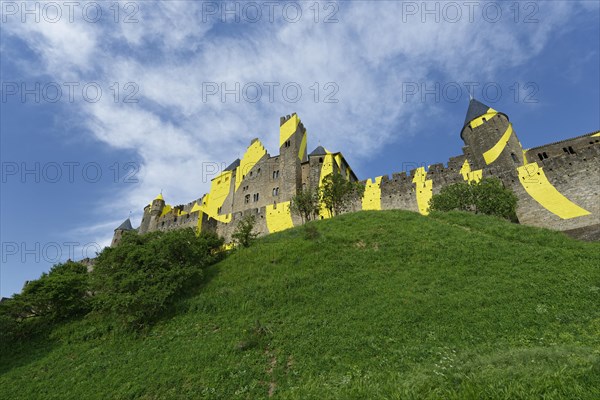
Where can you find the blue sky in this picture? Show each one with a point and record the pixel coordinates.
(398, 76)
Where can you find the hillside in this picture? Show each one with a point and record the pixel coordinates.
(385, 304)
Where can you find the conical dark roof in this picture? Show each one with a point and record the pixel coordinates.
(476, 109)
(125, 226)
(233, 165)
(319, 151)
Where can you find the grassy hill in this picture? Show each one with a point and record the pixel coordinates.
(379, 305)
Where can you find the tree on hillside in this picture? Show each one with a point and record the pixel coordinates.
(488, 196)
(144, 274)
(306, 204)
(244, 231)
(337, 193)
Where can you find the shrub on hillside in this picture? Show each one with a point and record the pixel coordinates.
(60, 294)
(337, 193)
(488, 196)
(306, 204)
(244, 231)
(140, 278)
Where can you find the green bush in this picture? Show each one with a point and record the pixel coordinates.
(58, 295)
(140, 278)
(244, 231)
(488, 196)
(306, 204)
(337, 193)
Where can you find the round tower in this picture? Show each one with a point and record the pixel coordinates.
(489, 138)
(156, 209)
(124, 227)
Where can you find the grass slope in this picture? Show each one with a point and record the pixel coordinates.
(381, 305)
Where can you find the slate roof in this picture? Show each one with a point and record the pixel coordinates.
(233, 165)
(476, 109)
(125, 226)
(319, 151)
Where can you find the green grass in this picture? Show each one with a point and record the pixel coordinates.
(388, 305)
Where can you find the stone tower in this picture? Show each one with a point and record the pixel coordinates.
(124, 227)
(489, 138)
(292, 152)
(156, 209)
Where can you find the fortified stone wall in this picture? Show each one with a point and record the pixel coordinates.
(557, 184)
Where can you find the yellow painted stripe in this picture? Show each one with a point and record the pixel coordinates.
(252, 155)
(279, 218)
(469, 175)
(372, 197)
(596, 134)
(492, 154)
(480, 120)
(326, 169)
(302, 150)
(423, 190)
(288, 128)
(535, 182)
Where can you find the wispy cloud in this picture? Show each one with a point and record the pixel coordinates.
(170, 54)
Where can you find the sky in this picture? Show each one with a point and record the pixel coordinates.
(106, 104)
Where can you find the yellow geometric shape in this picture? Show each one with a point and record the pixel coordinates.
(596, 134)
(159, 197)
(280, 218)
(469, 175)
(302, 150)
(541, 190)
(253, 155)
(195, 208)
(492, 154)
(219, 190)
(288, 128)
(166, 209)
(423, 190)
(372, 197)
(483, 118)
(326, 169)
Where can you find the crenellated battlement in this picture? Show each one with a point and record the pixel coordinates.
(556, 184)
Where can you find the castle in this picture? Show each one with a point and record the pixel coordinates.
(557, 184)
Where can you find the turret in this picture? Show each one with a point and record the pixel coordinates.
(292, 152)
(489, 138)
(124, 227)
(156, 209)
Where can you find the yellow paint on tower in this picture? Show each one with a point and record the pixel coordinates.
(288, 128)
(279, 217)
(302, 150)
(423, 190)
(483, 118)
(253, 154)
(492, 154)
(372, 197)
(219, 190)
(535, 182)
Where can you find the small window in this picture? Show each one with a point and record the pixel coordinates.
(514, 157)
(540, 156)
(247, 199)
(276, 191)
(565, 150)
(571, 151)
(321, 159)
(258, 172)
(545, 155)
(219, 210)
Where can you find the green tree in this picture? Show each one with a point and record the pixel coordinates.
(488, 196)
(306, 204)
(244, 231)
(337, 193)
(60, 294)
(137, 280)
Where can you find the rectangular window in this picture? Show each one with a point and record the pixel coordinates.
(247, 199)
